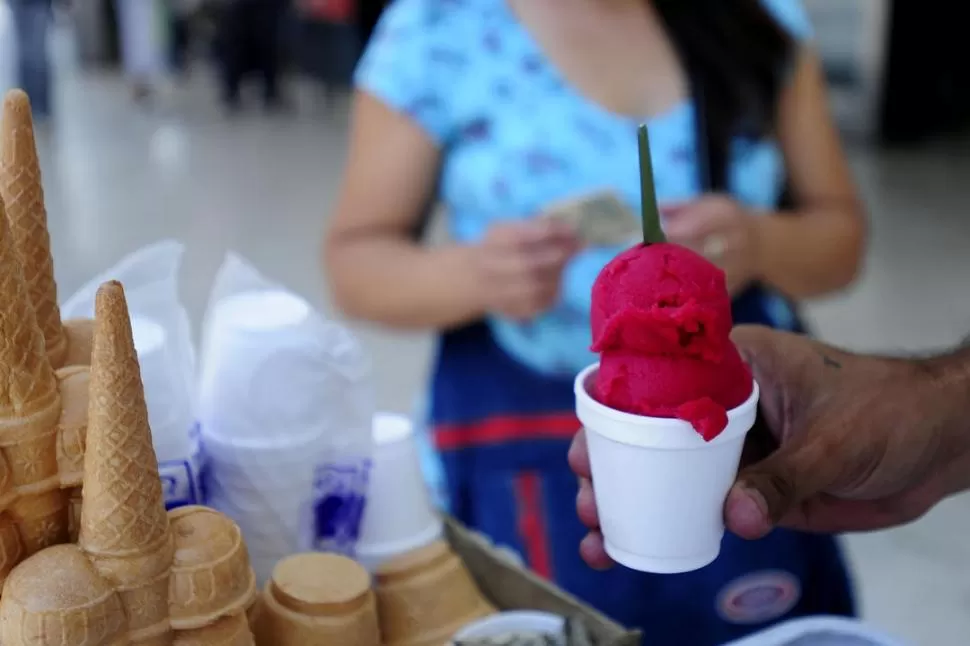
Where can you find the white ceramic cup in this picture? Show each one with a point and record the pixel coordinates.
(399, 515)
(512, 622)
(659, 487)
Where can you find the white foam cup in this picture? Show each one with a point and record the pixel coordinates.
(166, 392)
(514, 622)
(399, 516)
(659, 487)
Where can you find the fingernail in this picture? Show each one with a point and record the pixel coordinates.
(747, 512)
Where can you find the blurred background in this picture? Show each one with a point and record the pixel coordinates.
(165, 147)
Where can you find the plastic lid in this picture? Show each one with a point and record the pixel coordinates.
(390, 427)
(264, 310)
(319, 584)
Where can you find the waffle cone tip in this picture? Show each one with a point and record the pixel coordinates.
(16, 103)
(112, 326)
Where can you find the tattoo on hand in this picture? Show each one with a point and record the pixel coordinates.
(830, 362)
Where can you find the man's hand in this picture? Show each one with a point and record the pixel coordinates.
(846, 443)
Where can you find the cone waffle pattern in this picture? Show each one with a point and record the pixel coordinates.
(124, 509)
(22, 190)
(23, 193)
(29, 408)
(27, 384)
(124, 526)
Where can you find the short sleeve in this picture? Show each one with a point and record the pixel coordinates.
(792, 15)
(412, 61)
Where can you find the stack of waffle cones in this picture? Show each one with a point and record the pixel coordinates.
(213, 584)
(425, 596)
(317, 599)
(30, 409)
(138, 575)
(27, 282)
(22, 191)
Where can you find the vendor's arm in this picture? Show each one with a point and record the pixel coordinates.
(819, 248)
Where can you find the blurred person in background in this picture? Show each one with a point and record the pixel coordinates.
(249, 36)
(500, 109)
(32, 21)
(181, 16)
(143, 27)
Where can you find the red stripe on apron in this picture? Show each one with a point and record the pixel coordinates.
(500, 429)
(532, 524)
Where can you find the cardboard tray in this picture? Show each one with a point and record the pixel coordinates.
(510, 586)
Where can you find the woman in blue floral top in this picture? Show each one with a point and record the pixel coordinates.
(497, 109)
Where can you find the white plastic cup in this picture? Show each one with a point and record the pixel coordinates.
(514, 622)
(399, 515)
(659, 487)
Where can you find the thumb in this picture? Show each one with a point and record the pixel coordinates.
(773, 490)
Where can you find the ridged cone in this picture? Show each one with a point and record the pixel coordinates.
(27, 383)
(29, 409)
(11, 547)
(23, 192)
(211, 576)
(80, 337)
(72, 427)
(425, 596)
(228, 631)
(124, 509)
(124, 526)
(56, 598)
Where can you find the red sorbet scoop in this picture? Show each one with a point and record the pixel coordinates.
(661, 322)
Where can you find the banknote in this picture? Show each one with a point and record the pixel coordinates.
(600, 219)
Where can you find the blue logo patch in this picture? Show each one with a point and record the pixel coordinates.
(759, 598)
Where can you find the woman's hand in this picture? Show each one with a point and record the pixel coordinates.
(519, 266)
(720, 229)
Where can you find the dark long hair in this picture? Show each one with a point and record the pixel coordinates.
(737, 58)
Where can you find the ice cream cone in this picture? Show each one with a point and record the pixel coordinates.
(56, 598)
(124, 526)
(42, 520)
(74, 501)
(80, 340)
(425, 596)
(22, 190)
(11, 547)
(211, 575)
(30, 406)
(255, 609)
(318, 599)
(228, 631)
(74, 383)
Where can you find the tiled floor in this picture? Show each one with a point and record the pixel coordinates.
(118, 178)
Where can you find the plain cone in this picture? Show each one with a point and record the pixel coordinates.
(124, 526)
(29, 409)
(22, 190)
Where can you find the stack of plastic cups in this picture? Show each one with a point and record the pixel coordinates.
(399, 516)
(659, 487)
(170, 412)
(269, 423)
